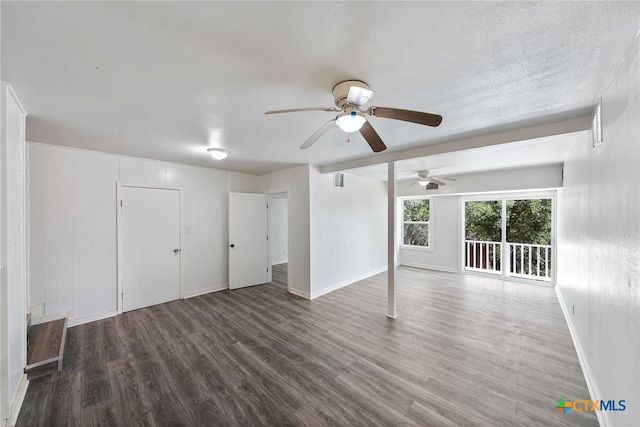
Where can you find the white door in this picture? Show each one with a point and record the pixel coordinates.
(150, 250)
(248, 245)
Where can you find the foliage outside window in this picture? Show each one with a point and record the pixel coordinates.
(415, 222)
(528, 221)
(483, 220)
(527, 236)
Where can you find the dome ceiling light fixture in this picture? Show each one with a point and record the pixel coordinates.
(218, 153)
(350, 121)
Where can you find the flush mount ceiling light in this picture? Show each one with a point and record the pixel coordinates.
(350, 121)
(218, 153)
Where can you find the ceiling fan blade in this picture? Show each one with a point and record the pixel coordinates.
(413, 183)
(313, 138)
(437, 181)
(295, 110)
(359, 95)
(419, 117)
(372, 137)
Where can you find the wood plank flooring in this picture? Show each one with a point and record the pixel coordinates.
(464, 351)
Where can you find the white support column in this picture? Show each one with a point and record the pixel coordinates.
(392, 240)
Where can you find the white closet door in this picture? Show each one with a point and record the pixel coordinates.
(150, 246)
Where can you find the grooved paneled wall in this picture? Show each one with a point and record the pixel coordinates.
(72, 225)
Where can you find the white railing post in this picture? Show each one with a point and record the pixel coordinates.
(478, 252)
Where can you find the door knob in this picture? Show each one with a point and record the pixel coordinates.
(233, 246)
(175, 251)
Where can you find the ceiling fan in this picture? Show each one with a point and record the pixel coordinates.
(430, 182)
(350, 97)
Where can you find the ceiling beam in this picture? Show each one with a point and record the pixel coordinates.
(544, 130)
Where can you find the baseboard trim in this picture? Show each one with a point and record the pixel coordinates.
(346, 283)
(429, 267)
(199, 292)
(18, 399)
(94, 317)
(301, 294)
(51, 317)
(37, 310)
(603, 419)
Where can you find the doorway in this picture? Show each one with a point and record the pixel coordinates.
(279, 237)
(510, 235)
(253, 260)
(149, 255)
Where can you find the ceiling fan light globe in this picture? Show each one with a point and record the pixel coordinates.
(350, 122)
(218, 153)
(423, 182)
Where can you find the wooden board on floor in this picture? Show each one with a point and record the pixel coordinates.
(44, 343)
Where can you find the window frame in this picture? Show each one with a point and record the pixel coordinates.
(402, 223)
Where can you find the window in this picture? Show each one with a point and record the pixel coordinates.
(415, 222)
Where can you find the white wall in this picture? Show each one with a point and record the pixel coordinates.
(72, 226)
(296, 181)
(278, 230)
(599, 247)
(243, 183)
(13, 333)
(348, 230)
(72, 230)
(444, 253)
(204, 199)
(529, 178)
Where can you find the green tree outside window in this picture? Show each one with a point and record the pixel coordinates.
(415, 222)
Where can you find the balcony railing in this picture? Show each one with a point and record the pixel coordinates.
(483, 256)
(524, 260)
(530, 261)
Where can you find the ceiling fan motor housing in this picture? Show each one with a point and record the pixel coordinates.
(341, 91)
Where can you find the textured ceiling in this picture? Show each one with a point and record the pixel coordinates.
(166, 80)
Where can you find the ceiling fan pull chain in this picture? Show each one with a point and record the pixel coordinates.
(348, 138)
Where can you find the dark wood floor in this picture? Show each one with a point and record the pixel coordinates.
(464, 351)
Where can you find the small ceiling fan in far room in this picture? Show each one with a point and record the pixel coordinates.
(430, 182)
(350, 98)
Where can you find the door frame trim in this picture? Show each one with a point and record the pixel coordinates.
(119, 249)
(270, 192)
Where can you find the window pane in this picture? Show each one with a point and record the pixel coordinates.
(483, 221)
(529, 221)
(416, 210)
(416, 234)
